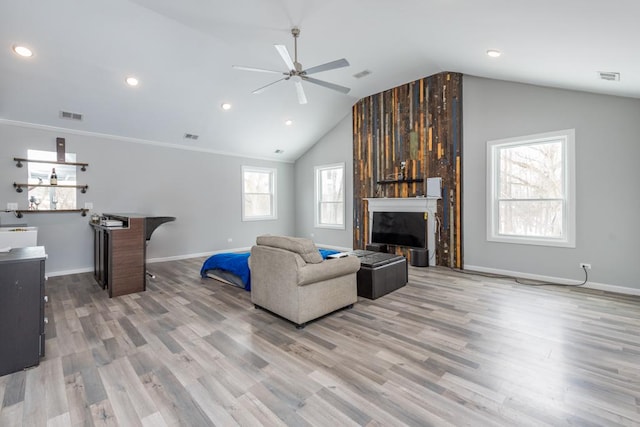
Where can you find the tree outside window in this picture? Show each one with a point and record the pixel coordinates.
(531, 189)
(329, 196)
(258, 193)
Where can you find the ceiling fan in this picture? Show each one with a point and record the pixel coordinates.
(296, 73)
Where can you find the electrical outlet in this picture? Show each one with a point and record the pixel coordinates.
(88, 205)
(12, 206)
(584, 265)
(229, 240)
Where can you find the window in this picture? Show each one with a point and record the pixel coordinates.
(258, 193)
(329, 196)
(531, 189)
(51, 198)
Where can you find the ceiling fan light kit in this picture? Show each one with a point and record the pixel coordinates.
(297, 73)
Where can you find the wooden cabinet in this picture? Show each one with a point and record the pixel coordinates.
(22, 301)
(119, 256)
(100, 256)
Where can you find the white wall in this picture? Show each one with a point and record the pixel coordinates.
(202, 190)
(607, 174)
(335, 147)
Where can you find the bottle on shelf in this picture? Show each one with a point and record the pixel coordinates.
(54, 178)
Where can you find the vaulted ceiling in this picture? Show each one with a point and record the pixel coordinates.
(182, 53)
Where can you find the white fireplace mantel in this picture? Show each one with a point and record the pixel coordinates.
(402, 204)
(408, 204)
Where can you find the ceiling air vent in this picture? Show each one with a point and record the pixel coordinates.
(190, 136)
(609, 75)
(70, 116)
(362, 74)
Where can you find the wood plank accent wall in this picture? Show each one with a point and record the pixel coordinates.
(419, 123)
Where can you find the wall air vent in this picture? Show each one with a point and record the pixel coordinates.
(191, 136)
(362, 74)
(70, 116)
(609, 75)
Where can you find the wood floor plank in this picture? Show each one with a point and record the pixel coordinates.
(448, 349)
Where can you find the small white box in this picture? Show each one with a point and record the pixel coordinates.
(434, 187)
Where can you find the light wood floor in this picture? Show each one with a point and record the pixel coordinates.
(447, 349)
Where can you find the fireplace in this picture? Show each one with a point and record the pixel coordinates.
(407, 204)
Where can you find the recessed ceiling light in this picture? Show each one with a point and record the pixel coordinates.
(494, 53)
(23, 51)
(279, 151)
(288, 122)
(226, 106)
(131, 81)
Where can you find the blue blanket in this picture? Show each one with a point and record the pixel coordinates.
(237, 263)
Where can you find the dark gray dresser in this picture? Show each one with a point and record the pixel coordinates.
(21, 308)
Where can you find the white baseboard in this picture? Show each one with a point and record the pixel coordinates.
(591, 285)
(150, 261)
(66, 272)
(202, 254)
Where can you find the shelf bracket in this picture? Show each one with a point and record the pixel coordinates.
(18, 163)
(18, 187)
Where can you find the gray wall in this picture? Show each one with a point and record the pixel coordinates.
(203, 190)
(607, 176)
(335, 147)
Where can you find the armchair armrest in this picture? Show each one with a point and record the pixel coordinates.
(327, 269)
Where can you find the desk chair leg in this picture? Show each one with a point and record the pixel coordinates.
(150, 274)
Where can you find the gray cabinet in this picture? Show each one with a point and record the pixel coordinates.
(21, 308)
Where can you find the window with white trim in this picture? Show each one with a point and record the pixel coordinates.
(258, 193)
(329, 196)
(531, 189)
(56, 197)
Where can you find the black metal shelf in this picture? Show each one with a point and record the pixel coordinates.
(19, 186)
(19, 161)
(19, 212)
(400, 181)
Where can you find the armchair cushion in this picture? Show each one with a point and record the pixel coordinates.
(303, 247)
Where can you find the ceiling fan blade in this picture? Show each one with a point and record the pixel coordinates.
(339, 63)
(260, 70)
(261, 89)
(322, 83)
(284, 53)
(302, 98)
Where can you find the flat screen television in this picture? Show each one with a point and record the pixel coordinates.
(400, 229)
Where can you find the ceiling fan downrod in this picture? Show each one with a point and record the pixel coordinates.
(295, 32)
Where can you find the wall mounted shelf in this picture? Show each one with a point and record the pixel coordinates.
(18, 160)
(400, 181)
(19, 212)
(20, 186)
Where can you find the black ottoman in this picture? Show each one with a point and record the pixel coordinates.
(380, 273)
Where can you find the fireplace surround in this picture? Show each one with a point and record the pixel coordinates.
(407, 204)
